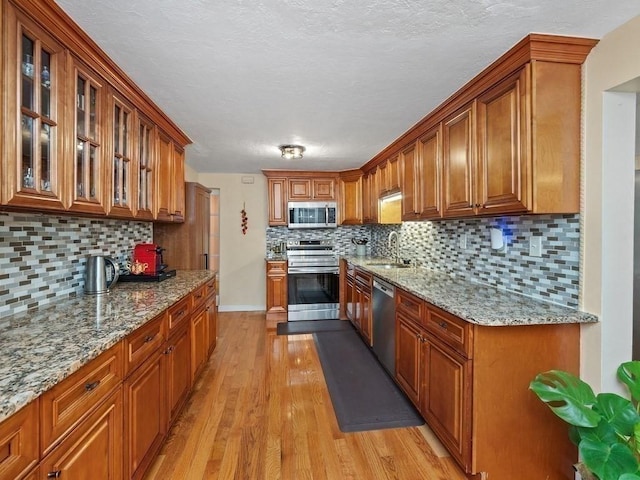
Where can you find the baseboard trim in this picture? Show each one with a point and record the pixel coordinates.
(241, 308)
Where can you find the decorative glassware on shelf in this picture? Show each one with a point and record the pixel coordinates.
(45, 77)
(27, 180)
(27, 65)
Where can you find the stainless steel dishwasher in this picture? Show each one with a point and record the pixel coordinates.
(384, 324)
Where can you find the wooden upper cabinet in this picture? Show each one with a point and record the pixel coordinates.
(146, 156)
(388, 176)
(428, 171)
(34, 80)
(312, 188)
(367, 213)
(410, 183)
(299, 189)
(277, 191)
(177, 184)
(169, 178)
(323, 189)
(163, 178)
(123, 169)
(89, 187)
(351, 198)
(458, 163)
(503, 157)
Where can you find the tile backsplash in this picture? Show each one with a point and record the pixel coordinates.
(552, 277)
(42, 258)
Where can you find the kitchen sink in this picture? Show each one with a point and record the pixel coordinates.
(387, 265)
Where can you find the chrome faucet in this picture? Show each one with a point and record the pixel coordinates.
(395, 235)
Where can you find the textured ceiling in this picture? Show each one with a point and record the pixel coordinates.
(343, 78)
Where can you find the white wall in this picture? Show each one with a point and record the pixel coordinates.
(242, 257)
(609, 141)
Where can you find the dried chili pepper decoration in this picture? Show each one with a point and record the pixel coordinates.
(245, 219)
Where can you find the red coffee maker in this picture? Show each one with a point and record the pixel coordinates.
(151, 254)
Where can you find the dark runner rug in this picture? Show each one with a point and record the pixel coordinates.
(364, 397)
(311, 326)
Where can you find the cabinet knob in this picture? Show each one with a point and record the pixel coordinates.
(55, 474)
(148, 338)
(168, 350)
(443, 325)
(91, 386)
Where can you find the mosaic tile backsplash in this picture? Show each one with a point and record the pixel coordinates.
(552, 277)
(42, 258)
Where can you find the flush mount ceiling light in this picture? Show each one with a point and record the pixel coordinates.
(291, 152)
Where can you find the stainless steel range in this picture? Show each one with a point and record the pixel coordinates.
(312, 280)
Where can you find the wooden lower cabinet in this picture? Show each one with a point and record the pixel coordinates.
(33, 475)
(178, 358)
(199, 342)
(445, 397)
(145, 415)
(408, 358)
(211, 310)
(277, 301)
(19, 443)
(93, 449)
(471, 384)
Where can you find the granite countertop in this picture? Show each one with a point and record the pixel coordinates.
(474, 302)
(40, 348)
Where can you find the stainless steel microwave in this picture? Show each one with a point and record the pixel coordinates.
(313, 214)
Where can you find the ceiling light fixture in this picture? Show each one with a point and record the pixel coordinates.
(291, 152)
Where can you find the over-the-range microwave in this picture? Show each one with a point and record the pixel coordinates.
(313, 214)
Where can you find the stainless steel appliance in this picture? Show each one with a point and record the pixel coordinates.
(384, 324)
(313, 214)
(101, 273)
(312, 280)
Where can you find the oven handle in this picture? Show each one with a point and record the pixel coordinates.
(294, 270)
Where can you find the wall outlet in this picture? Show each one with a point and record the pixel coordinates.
(535, 246)
(462, 241)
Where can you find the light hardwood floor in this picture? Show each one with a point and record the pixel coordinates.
(261, 410)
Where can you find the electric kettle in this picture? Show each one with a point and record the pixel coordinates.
(100, 275)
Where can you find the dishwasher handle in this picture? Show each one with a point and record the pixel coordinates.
(384, 287)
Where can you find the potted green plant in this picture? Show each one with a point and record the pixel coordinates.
(605, 427)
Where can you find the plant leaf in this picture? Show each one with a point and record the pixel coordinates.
(629, 374)
(629, 476)
(603, 433)
(618, 412)
(567, 396)
(608, 462)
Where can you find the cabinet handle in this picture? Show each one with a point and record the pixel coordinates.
(443, 325)
(206, 261)
(180, 313)
(148, 338)
(168, 350)
(55, 474)
(91, 386)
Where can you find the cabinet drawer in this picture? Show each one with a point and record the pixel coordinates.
(179, 313)
(19, 442)
(276, 267)
(139, 345)
(363, 279)
(198, 297)
(211, 287)
(62, 407)
(449, 329)
(410, 305)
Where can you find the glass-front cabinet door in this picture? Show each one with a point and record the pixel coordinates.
(88, 179)
(122, 171)
(146, 169)
(34, 174)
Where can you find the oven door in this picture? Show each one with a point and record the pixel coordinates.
(313, 293)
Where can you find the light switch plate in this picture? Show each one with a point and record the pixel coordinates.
(535, 246)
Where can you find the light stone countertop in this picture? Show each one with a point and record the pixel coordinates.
(38, 349)
(474, 302)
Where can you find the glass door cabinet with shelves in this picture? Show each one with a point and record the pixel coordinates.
(121, 201)
(88, 179)
(146, 169)
(33, 170)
